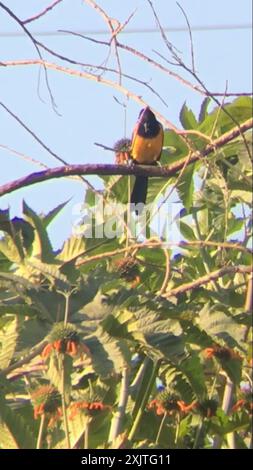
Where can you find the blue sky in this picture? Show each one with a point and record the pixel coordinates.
(88, 110)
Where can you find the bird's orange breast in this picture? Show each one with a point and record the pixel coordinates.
(147, 150)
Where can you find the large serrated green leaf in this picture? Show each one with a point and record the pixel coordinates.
(72, 248)
(18, 309)
(60, 364)
(117, 187)
(15, 429)
(186, 187)
(34, 268)
(7, 440)
(220, 325)
(187, 118)
(193, 369)
(177, 381)
(240, 110)
(50, 216)
(41, 246)
(187, 231)
(108, 355)
(203, 109)
(10, 250)
(8, 340)
(172, 139)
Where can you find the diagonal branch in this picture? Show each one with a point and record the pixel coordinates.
(207, 278)
(27, 32)
(42, 13)
(91, 76)
(101, 169)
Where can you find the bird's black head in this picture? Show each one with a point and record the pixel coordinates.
(148, 125)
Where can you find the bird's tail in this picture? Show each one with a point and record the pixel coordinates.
(140, 189)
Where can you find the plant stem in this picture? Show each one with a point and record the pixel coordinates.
(120, 413)
(66, 314)
(41, 431)
(86, 435)
(227, 398)
(160, 428)
(214, 385)
(177, 427)
(198, 435)
(128, 211)
(206, 262)
(144, 402)
(139, 376)
(64, 410)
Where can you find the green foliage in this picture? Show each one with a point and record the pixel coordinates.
(171, 317)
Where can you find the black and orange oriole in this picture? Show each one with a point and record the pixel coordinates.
(146, 149)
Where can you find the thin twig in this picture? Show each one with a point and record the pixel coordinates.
(91, 76)
(167, 273)
(114, 27)
(190, 34)
(156, 64)
(27, 32)
(168, 44)
(103, 68)
(57, 157)
(32, 133)
(42, 13)
(23, 156)
(104, 147)
(197, 78)
(144, 57)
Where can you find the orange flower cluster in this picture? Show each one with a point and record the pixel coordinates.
(65, 339)
(39, 410)
(221, 353)
(90, 407)
(128, 270)
(73, 348)
(47, 401)
(243, 403)
(170, 406)
(207, 408)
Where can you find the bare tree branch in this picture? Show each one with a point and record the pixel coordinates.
(207, 278)
(156, 64)
(192, 72)
(27, 32)
(102, 68)
(32, 133)
(23, 156)
(94, 77)
(151, 243)
(57, 157)
(42, 13)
